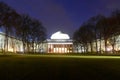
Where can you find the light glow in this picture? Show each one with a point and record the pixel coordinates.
(60, 35)
(109, 48)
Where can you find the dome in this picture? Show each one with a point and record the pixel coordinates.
(60, 35)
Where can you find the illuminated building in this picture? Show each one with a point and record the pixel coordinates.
(79, 48)
(59, 43)
(14, 45)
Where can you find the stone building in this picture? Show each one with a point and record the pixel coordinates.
(59, 43)
(14, 45)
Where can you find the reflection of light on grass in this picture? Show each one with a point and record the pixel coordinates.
(72, 56)
(85, 56)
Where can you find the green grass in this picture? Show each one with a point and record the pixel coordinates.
(59, 67)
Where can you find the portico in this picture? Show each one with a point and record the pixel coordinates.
(59, 43)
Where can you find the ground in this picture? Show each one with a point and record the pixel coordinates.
(59, 67)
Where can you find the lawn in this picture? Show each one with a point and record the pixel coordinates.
(59, 67)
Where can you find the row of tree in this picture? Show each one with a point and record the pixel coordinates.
(97, 29)
(23, 27)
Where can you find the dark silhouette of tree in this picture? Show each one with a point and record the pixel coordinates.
(85, 37)
(104, 31)
(116, 19)
(23, 30)
(8, 18)
(23, 27)
(37, 34)
(89, 32)
(90, 36)
(114, 23)
(99, 28)
(77, 40)
(93, 26)
(31, 32)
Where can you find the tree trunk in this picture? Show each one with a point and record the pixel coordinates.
(84, 49)
(6, 40)
(105, 45)
(113, 48)
(113, 44)
(81, 49)
(91, 47)
(96, 40)
(100, 43)
(87, 46)
(96, 46)
(28, 49)
(23, 46)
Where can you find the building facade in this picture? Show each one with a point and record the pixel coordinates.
(79, 48)
(58, 43)
(14, 45)
(59, 46)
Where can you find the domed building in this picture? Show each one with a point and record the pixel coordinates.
(59, 43)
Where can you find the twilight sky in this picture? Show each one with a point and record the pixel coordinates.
(63, 15)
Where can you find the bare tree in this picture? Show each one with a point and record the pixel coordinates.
(8, 17)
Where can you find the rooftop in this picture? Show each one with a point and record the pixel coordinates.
(59, 35)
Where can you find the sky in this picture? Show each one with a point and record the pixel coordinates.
(63, 15)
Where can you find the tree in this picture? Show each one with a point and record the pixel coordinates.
(77, 41)
(84, 36)
(114, 23)
(23, 30)
(93, 26)
(24, 27)
(8, 17)
(37, 34)
(31, 32)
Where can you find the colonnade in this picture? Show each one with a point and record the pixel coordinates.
(60, 48)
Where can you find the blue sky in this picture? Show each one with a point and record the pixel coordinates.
(63, 15)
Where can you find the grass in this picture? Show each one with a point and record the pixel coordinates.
(59, 67)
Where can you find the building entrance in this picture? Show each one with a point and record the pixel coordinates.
(60, 48)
